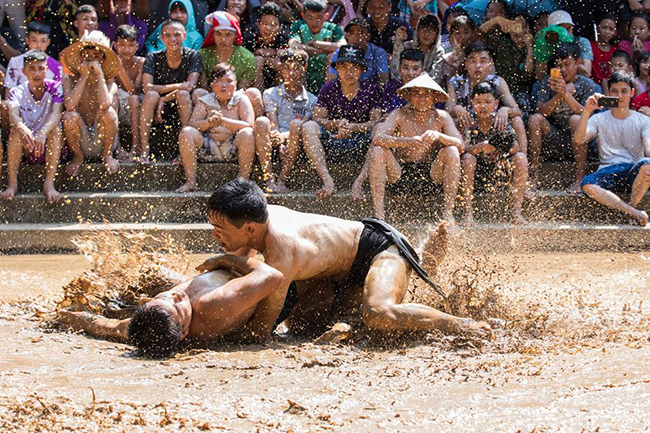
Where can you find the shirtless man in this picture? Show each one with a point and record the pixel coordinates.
(90, 122)
(356, 263)
(221, 128)
(421, 136)
(208, 306)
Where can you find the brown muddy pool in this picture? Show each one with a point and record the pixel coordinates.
(571, 353)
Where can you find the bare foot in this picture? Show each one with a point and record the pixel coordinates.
(328, 190)
(73, 166)
(472, 328)
(640, 218)
(435, 249)
(124, 156)
(574, 188)
(357, 192)
(531, 191)
(518, 219)
(112, 164)
(8, 194)
(52, 195)
(188, 187)
(276, 187)
(468, 221)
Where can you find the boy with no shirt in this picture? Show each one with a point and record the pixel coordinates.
(422, 137)
(90, 122)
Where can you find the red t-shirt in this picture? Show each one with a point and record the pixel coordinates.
(600, 65)
(642, 100)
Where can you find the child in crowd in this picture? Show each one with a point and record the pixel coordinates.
(346, 111)
(168, 75)
(122, 15)
(427, 40)
(564, 20)
(35, 108)
(493, 156)
(624, 149)
(603, 48)
(450, 16)
(183, 11)
(642, 71)
(620, 61)
(639, 32)
(461, 34)
(38, 38)
(384, 25)
(479, 66)
(357, 33)
(85, 20)
(560, 100)
(496, 8)
(287, 108)
(221, 128)
(90, 121)
(265, 44)
(318, 38)
(129, 81)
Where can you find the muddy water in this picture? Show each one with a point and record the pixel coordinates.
(585, 369)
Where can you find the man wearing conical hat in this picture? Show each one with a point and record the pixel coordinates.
(90, 122)
(417, 143)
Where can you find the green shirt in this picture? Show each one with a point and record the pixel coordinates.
(317, 63)
(242, 60)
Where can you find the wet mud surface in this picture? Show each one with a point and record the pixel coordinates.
(570, 353)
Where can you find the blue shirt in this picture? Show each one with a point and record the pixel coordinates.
(376, 59)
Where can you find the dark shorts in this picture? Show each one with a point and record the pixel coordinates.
(351, 149)
(31, 159)
(616, 177)
(415, 179)
(490, 176)
(556, 146)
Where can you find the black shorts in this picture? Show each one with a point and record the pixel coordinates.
(415, 179)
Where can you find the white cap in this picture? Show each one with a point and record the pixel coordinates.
(560, 17)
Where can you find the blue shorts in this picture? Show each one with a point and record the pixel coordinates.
(351, 149)
(616, 177)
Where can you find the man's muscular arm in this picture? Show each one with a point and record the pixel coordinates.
(95, 325)
(384, 134)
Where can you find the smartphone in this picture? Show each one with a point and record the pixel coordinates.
(516, 28)
(556, 73)
(608, 102)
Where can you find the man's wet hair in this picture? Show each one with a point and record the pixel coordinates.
(85, 9)
(292, 55)
(564, 51)
(220, 70)
(485, 88)
(127, 32)
(35, 56)
(154, 332)
(314, 5)
(240, 201)
(461, 21)
(620, 54)
(621, 77)
(478, 47)
(38, 28)
(270, 8)
(411, 54)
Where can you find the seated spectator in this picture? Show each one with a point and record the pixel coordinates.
(603, 48)
(129, 92)
(494, 9)
(479, 64)
(560, 101)
(642, 72)
(639, 33)
(427, 40)
(265, 44)
(493, 156)
(318, 39)
(461, 34)
(183, 11)
(90, 122)
(450, 16)
(417, 142)
(168, 75)
(38, 38)
(410, 67)
(383, 25)
(623, 138)
(564, 20)
(85, 21)
(346, 111)
(357, 34)
(221, 128)
(122, 15)
(246, 11)
(287, 107)
(35, 108)
(619, 62)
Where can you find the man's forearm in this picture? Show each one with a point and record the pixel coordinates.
(550, 106)
(72, 100)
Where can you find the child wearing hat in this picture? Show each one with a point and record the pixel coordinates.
(90, 121)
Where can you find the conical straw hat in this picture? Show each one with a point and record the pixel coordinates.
(424, 81)
(71, 56)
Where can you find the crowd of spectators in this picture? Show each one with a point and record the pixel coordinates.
(469, 95)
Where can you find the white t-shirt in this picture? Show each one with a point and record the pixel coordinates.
(35, 112)
(619, 140)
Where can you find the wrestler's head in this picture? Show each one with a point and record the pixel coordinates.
(236, 210)
(158, 327)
